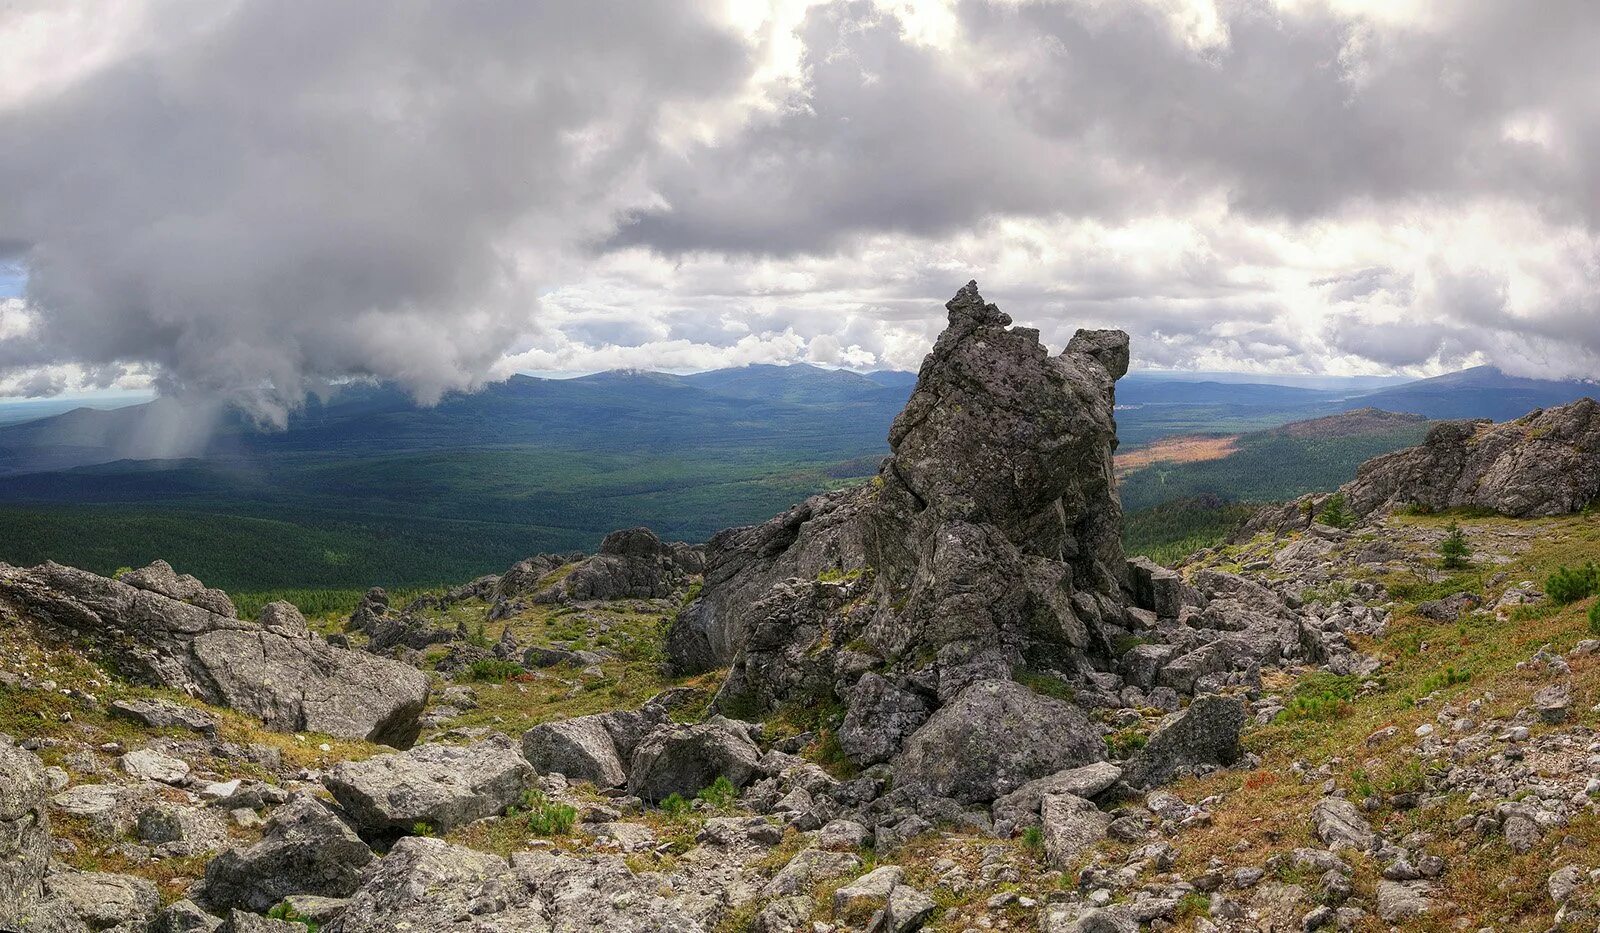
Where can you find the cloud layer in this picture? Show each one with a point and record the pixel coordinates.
(249, 200)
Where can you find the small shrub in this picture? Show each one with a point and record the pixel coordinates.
(1594, 618)
(675, 806)
(1334, 512)
(423, 828)
(1439, 680)
(1319, 698)
(1125, 743)
(1454, 551)
(1033, 840)
(1570, 584)
(721, 794)
(546, 817)
(493, 669)
(289, 914)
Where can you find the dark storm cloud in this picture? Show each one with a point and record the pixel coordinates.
(261, 195)
(1104, 110)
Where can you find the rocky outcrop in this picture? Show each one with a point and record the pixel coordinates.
(632, 564)
(160, 578)
(1206, 735)
(824, 534)
(988, 544)
(24, 835)
(439, 787)
(274, 669)
(306, 849)
(1545, 463)
(595, 748)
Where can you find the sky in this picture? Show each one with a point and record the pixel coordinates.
(249, 201)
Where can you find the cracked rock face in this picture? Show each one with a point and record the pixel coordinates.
(989, 544)
(1545, 463)
(24, 833)
(273, 670)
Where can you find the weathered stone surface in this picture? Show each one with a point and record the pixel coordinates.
(160, 578)
(289, 682)
(1020, 808)
(993, 738)
(1340, 825)
(150, 765)
(306, 849)
(808, 868)
(1072, 826)
(1205, 734)
(1156, 588)
(239, 921)
(685, 759)
(185, 916)
(1403, 900)
(427, 884)
(824, 533)
(165, 714)
(580, 748)
(105, 900)
(1545, 463)
(879, 718)
(24, 833)
(440, 786)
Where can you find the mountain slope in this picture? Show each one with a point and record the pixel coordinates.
(1480, 392)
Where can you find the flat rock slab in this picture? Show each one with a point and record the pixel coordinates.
(439, 787)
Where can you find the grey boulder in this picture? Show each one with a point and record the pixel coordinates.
(685, 759)
(438, 786)
(1205, 734)
(994, 737)
(24, 833)
(306, 849)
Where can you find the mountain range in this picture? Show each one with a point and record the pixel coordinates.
(366, 486)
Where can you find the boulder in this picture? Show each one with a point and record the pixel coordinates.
(1545, 463)
(427, 884)
(165, 714)
(1072, 825)
(306, 849)
(24, 833)
(1156, 588)
(993, 738)
(1340, 825)
(879, 718)
(160, 578)
(1404, 900)
(437, 786)
(150, 765)
(685, 759)
(185, 916)
(239, 921)
(102, 901)
(1020, 808)
(289, 682)
(581, 749)
(1205, 734)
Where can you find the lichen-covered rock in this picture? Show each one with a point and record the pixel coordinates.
(822, 534)
(306, 849)
(437, 786)
(1340, 825)
(685, 759)
(159, 577)
(879, 718)
(1020, 808)
(24, 834)
(165, 714)
(427, 884)
(1545, 463)
(581, 749)
(632, 564)
(289, 682)
(102, 901)
(1205, 734)
(1072, 826)
(993, 738)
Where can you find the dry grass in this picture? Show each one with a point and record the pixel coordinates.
(1193, 448)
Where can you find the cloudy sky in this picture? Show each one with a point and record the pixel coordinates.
(248, 199)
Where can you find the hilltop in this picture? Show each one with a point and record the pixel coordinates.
(939, 699)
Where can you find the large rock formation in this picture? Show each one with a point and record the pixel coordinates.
(1545, 463)
(273, 669)
(989, 544)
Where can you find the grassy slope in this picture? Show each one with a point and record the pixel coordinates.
(1411, 688)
